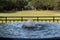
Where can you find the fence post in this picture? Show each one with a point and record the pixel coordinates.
(6, 19)
(2, 21)
(53, 19)
(57, 21)
(37, 18)
(21, 19)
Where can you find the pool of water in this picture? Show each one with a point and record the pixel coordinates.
(42, 30)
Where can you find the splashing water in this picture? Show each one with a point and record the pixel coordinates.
(29, 24)
(42, 30)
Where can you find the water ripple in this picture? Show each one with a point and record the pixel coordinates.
(42, 30)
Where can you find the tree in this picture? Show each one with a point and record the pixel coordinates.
(12, 4)
(57, 5)
(21, 4)
(43, 4)
(28, 4)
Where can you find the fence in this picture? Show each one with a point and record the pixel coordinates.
(34, 18)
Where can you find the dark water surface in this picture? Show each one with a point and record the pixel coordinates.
(42, 30)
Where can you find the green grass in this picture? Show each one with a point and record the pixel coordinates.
(32, 13)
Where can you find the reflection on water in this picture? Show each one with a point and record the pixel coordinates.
(42, 30)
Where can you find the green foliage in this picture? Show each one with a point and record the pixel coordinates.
(43, 4)
(12, 4)
(28, 4)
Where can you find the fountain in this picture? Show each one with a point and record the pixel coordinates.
(41, 30)
(29, 24)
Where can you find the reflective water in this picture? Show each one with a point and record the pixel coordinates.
(42, 30)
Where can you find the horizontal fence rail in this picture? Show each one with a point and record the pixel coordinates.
(25, 18)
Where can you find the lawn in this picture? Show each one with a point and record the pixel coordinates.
(32, 13)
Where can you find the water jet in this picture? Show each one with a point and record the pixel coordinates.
(29, 24)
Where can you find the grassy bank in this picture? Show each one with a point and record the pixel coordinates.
(32, 13)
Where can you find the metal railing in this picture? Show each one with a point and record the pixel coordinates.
(34, 18)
